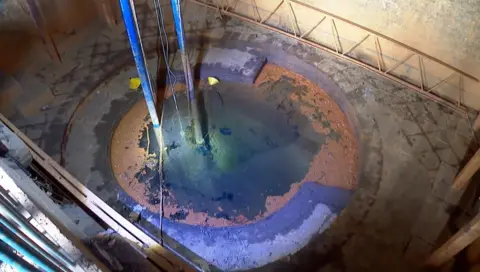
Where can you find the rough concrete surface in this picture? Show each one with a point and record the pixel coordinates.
(16, 148)
(407, 144)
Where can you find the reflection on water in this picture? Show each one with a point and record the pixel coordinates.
(253, 149)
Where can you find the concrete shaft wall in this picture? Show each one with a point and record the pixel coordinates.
(443, 29)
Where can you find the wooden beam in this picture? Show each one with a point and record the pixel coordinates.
(464, 237)
(463, 178)
(161, 256)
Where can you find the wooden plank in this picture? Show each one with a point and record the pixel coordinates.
(464, 237)
(442, 101)
(158, 254)
(463, 178)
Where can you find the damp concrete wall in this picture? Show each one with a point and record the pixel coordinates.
(409, 142)
(444, 29)
(21, 47)
(20, 36)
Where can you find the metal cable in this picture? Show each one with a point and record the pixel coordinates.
(172, 80)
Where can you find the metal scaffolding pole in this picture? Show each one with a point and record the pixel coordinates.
(128, 11)
(193, 106)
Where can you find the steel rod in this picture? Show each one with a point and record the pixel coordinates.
(128, 11)
(378, 49)
(420, 68)
(439, 100)
(356, 44)
(337, 36)
(269, 15)
(416, 51)
(293, 20)
(400, 62)
(441, 82)
(255, 9)
(193, 105)
(311, 29)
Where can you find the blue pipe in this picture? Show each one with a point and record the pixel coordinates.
(25, 252)
(133, 33)
(178, 21)
(24, 229)
(193, 107)
(18, 264)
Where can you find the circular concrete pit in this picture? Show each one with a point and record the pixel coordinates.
(278, 165)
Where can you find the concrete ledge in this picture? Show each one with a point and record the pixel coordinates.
(309, 212)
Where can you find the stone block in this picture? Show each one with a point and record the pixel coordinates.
(429, 159)
(442, 186)
(438, 139)
(417, 251)
(458, 143)
(432, 219)
(447, 156)
(419, 143)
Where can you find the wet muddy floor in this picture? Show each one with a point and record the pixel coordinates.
(262, 141)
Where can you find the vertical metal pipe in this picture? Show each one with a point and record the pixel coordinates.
(128, 12)
(178, 21)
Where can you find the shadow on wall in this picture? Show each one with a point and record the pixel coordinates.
(21, 42)
(21, 23)
(14, 48)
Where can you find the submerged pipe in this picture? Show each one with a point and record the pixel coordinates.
(129, 17)
(193, 106)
